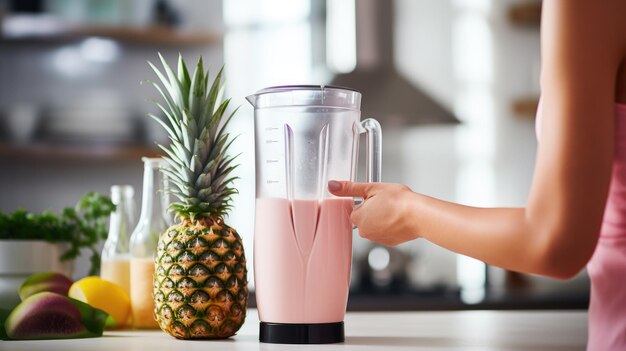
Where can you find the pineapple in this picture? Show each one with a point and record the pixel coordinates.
(200, 282)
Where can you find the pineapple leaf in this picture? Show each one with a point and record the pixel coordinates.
(197, 165)
(224, 165)
(193, 201)
(173, 121)
(218, 149)
(195, 120)
(217, 116)
(183, 75)
(170, 104)
(171, 94)
(221, 136)
(187, 127)
(221, 180)
(201, 147)
(205, 81)
(163, 124)
(205, 194)
(222, 128)
(176, 194)
(173, 176)
(203, 180)
(226, 162)
(213, 93)
(181, 152)
(171, 156)
(226, 182)
(196, 95)
(210, 167)
(225, 147)
(175, 85)
(220, 93)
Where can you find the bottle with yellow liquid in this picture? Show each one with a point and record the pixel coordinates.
(115, 265)
(153, 221)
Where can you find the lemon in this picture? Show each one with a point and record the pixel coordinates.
(104, 295)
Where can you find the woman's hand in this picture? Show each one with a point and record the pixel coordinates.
(386, 214)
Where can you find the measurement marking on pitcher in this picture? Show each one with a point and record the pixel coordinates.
(271, 161)
(271, 181)
(271, 141)
(270, 129)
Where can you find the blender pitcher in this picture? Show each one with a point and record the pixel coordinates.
(305, 136)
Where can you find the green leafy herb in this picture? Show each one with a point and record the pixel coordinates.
(82, 227)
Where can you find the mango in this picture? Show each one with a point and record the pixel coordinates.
(48, 281)
(49, 315)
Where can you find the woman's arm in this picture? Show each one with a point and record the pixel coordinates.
(555, 235)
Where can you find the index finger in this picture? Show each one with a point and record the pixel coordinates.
(347, 188)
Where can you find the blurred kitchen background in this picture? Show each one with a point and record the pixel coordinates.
(454, 84)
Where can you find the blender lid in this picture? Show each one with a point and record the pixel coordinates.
(306, 95)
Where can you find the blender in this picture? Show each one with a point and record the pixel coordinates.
(306, 135)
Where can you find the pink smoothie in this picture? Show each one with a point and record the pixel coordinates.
(302, 266)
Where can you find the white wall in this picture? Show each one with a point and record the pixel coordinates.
(423, 47)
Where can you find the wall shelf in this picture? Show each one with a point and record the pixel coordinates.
(526, 107)
(526, 14)
(76, 152)
(19, 29)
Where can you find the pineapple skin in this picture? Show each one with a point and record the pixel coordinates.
(200, 280)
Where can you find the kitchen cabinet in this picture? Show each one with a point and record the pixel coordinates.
(450, 330)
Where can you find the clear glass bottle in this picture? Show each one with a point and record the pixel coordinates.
(143, 243)
(115, 264)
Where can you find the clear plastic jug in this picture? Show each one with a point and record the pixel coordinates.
(305, 136)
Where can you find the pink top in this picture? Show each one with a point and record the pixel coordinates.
(607, 267)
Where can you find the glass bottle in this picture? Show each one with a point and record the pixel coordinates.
(115, 264)
(143, 243)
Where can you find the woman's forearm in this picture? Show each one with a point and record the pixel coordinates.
(504, 237)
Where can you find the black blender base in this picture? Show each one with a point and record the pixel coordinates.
(283, 333)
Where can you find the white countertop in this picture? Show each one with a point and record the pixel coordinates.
(455, 330)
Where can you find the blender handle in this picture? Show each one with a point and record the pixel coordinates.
(373, 150)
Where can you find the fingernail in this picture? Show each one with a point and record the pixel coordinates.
(334, 185)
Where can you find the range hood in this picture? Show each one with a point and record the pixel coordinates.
(387, 95)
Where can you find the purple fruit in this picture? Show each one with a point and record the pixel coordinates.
(49, 315)
(49, 281)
